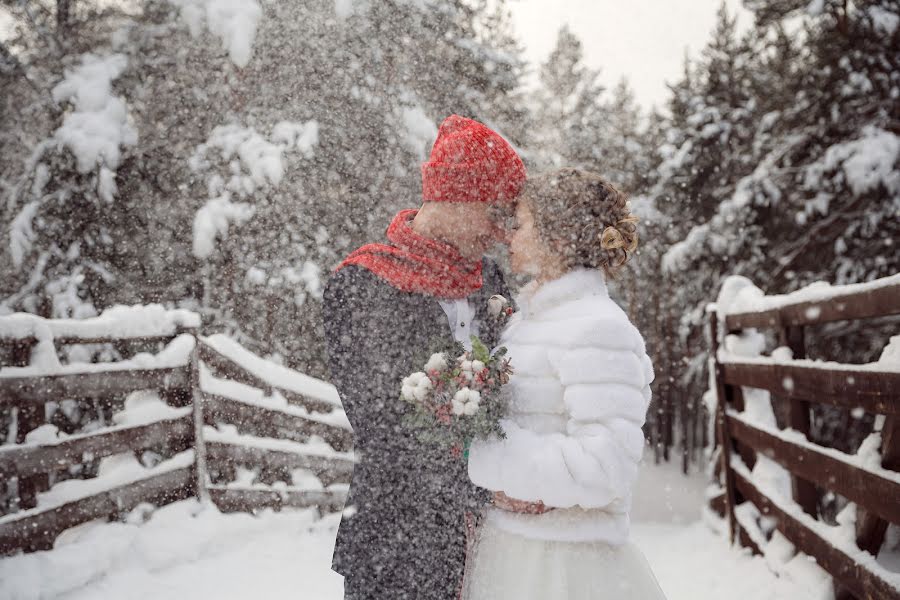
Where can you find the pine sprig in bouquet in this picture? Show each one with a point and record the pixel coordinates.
(457, 397)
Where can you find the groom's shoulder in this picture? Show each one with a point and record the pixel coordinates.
(354, 282)
(350, 278)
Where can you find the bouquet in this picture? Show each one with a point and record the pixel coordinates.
(457, 396)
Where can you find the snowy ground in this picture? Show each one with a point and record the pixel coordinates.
(182, 551)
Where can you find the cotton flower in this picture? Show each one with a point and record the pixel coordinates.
(477, 366)
(414, 379)
(465, 402)
(416, 386)
(466, 365)
(437, 362)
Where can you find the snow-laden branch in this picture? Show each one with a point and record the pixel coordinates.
(234, 22)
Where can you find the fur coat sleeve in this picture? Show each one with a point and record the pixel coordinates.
(579, 398)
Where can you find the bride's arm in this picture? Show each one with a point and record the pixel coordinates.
(593, 463)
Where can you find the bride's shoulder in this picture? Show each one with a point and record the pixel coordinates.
(592, 305)
(583, 325)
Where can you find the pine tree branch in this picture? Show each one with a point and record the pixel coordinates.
(825, 231)
(42, 31)
(63, 17)
(10, 63)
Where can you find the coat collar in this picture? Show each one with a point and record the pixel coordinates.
(574, 285)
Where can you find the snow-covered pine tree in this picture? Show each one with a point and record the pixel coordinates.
(625, 151)
(818, 204)
(821, 200)
(712, 122)
(706, 146)
(69, 134)
(568, 108)
(580, 125)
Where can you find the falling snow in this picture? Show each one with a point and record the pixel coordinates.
(184, 179)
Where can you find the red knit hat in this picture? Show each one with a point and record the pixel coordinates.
(471, 163)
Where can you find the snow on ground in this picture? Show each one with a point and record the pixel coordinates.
(184, 550)
(663, 495)
(687, 548)
(692, 562)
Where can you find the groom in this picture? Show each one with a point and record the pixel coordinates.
(402, 534)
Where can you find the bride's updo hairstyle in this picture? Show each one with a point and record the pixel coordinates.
(583, 217)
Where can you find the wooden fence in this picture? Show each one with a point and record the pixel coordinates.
(270, 435)
(799, 383)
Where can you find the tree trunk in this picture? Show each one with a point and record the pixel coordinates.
(63, 19)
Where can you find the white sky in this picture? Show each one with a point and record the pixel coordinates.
(644, 40)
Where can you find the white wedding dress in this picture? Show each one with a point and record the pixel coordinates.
(578, 398)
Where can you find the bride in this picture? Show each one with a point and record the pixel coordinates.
(558, 525)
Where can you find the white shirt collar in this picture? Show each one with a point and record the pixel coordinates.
(461, 318)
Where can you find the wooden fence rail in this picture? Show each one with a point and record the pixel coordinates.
(35, 525)
(37, 529)
(800, 383)
(32, 459)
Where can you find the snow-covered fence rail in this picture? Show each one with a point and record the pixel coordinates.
(34, 376)
(258, 414)
(208, 401)
(744, 438)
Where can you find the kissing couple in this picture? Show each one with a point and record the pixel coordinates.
(540, 512)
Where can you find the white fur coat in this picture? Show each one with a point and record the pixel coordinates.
(579, 396)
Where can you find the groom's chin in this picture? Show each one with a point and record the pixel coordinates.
(490, 243)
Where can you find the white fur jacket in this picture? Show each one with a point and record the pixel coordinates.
(579, 396)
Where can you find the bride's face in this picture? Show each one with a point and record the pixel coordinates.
(528, 254)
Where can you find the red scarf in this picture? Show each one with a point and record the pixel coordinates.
(412, 263)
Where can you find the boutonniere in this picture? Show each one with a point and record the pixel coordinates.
(499, 308)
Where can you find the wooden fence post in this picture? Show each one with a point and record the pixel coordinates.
(870, 529)
(803, 491)
(722, 429)
(200, 470)
(31, 415)
(735, 395)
